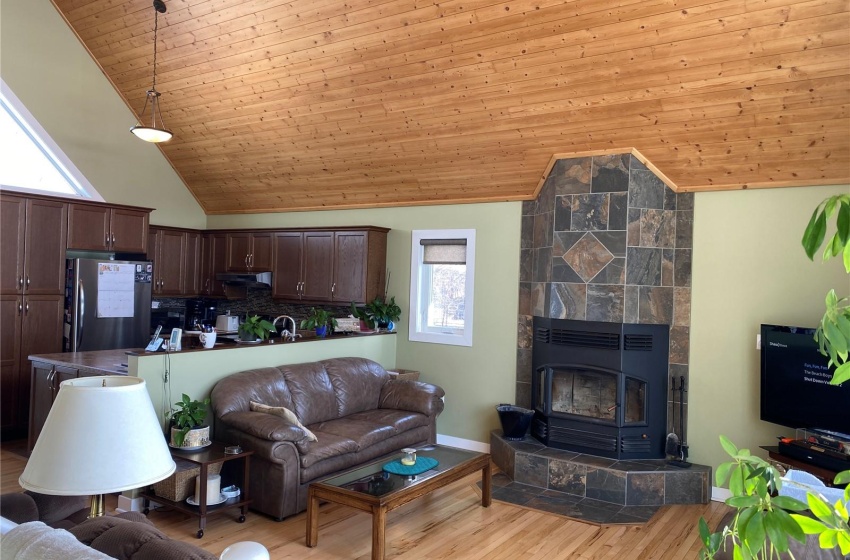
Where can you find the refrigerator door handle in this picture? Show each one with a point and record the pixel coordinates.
(81, 311)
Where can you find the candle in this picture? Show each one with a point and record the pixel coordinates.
(213, 488)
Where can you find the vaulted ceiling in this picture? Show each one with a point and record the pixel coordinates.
(282, 105)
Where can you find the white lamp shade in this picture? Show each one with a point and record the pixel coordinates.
(245, 550)
(151, 134)
(101, 436)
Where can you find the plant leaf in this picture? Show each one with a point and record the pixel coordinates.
(809, 236)
(842, 374)
(790, 524)
(821, 510)
(723, 473)
(828, 539)
(843, 477)
(843, 222)
(755, 533)
(743, 501)
(728, 446)
(789, 503)
(808, 525)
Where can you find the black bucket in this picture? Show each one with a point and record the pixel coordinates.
(515, 421)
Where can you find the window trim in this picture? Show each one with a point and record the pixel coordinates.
(417, 333)
(42, 140)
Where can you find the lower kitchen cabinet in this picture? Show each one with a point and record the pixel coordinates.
(31, 325)
(44, 388)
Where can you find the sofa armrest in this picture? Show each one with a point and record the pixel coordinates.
(264, 426)
(415, 396)
(18, 507)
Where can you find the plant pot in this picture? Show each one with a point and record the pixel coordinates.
(196, 437)
(247, 337)
(322, 331)
(515, 421)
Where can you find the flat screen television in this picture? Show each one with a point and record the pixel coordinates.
(795, 389)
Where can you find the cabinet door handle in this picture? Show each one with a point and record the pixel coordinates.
(20, 308)
(27, 308)
(20, 282)
(28, 281)
(207, 285)
(113, 239)
(107, 239)
(333, 287)
(50, 377)
(251, 260)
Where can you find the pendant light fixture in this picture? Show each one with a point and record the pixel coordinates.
(156, 132)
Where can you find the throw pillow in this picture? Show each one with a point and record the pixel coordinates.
(284, 413)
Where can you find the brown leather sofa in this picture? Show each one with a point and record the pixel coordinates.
(352, 405)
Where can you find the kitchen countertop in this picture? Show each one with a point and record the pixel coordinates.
(97, 362)
(109, 362)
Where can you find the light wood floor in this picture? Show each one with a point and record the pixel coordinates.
(449, 523)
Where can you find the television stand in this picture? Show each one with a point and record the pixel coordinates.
(826, 475)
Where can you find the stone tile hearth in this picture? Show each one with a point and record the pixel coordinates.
(589, 488)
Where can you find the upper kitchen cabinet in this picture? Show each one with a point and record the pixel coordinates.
(213, 261)
(33, 256)
(249, 251)
(168, 253)
(192, 261)
(339, 266)
(100, 227)
(360, 263)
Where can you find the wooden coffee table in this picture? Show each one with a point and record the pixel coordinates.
(370, 489)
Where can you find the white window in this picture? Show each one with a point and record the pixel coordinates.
(29, 159)
(442, 274)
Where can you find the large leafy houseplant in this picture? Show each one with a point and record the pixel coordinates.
(190, 414)
(833, 333)
(255, 328)
(764, 522)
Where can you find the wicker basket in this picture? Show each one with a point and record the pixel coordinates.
(181, 484)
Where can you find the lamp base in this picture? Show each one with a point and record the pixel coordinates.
(96, 508)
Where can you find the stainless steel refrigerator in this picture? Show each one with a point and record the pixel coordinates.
(107, 304)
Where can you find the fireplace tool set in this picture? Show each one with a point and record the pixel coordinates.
(676, 448)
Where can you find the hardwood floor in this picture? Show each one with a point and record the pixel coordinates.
(449, 523)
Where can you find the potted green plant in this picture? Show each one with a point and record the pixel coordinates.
(187, 423)
(382, 314)
(319, 320)
(765, 522)
(255, 329)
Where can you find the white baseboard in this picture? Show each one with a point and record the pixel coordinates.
(468, 444)
(720, 494)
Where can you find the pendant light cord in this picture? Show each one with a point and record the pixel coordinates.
(155, 29)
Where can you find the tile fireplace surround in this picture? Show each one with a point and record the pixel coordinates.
(590, 488)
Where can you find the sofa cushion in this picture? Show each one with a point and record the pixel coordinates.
(363, 432)
(235, 393)
(329, 445)
(357, 383)
(284, 413)
(401, 420)
(313, 397)
(52, 509)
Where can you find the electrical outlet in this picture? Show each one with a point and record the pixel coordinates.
(758, 342)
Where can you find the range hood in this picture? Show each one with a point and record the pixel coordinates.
(250, 279)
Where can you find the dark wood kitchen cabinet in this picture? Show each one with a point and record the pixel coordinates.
(45, 380)
(192, 262)
(337, 266)
(176, 254)
(101, 227)
(31, 325)
(31, 297)
(249, 251)
(213, 261)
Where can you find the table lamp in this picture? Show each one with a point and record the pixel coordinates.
(101, 436)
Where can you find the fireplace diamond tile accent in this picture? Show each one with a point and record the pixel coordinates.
(588, 257)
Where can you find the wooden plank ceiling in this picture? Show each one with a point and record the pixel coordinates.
(283, 105)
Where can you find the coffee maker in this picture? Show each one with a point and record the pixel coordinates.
(200, 313)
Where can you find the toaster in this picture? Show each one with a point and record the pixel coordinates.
(227, 323)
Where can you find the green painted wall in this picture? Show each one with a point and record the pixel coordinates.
(475, 378)
(46, 66)
(748, 269)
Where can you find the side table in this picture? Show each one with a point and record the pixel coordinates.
(214, 453)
